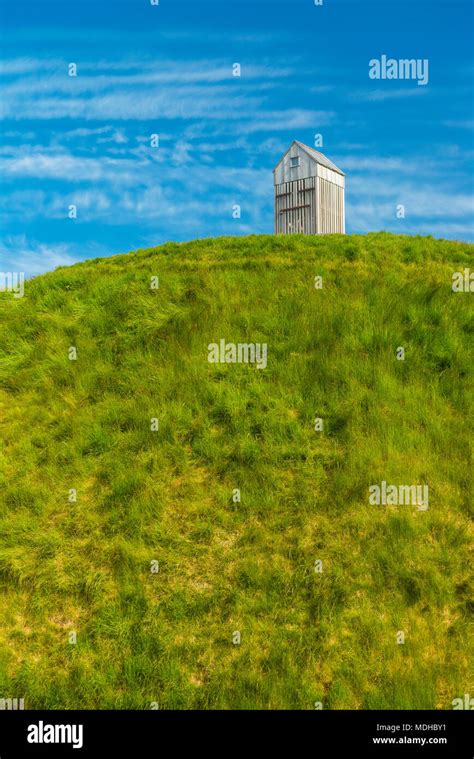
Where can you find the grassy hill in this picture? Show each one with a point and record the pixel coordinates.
(165, 632)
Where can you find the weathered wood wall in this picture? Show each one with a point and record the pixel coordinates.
(296, 207)
(309, 206)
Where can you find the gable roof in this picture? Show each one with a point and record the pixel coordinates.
(315, 155)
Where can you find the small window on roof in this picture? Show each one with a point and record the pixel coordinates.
(294, 162)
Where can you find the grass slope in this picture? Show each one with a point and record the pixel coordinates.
(166, 496)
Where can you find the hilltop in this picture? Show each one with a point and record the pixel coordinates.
(185, 533)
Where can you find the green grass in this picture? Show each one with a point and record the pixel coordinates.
(167, 637)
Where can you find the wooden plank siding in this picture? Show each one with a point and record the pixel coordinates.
(309, 206)
(295, 207)
(331, 208)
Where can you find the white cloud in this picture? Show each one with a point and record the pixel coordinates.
(286, 120)
(164, 89)
(27, 66)
(18, 254)
(66, 166)
(426, 210)
(460, 124)
(187, 102)
(388, 94)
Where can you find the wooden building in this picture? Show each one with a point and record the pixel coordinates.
(309, 193)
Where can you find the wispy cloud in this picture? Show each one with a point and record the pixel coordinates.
(376, 96)
(148, 91)
(62, 165)
(460, 124)
(19, 254)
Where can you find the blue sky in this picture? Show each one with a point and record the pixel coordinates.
(168, 70)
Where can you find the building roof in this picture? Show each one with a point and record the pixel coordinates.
(315, 155)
